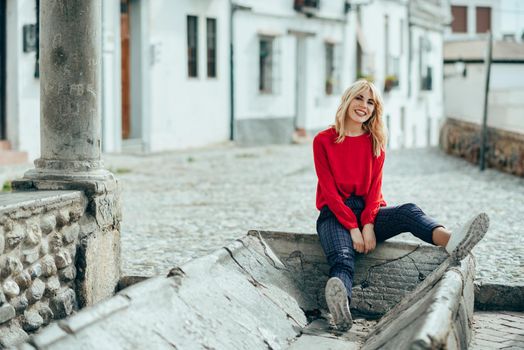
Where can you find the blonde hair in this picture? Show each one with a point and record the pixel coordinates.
(374, 125)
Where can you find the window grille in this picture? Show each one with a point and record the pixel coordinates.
(265, 59)
(211, 27)
(192, 46)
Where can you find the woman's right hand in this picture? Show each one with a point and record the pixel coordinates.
(358, 240)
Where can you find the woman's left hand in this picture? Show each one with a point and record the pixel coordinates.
(370, 241)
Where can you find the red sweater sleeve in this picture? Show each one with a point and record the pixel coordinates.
(329, 189)
(373, 198)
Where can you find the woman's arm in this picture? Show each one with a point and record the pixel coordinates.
(374, 196)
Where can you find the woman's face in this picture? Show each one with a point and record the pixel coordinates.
(361, 107)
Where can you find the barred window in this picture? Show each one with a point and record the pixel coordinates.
(211, 47)
(266, 50)
(330, 68)
(192, 46)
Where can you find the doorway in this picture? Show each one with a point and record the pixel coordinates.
(126, 68)
(2, 69)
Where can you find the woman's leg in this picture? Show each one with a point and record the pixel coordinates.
(338, 248)
(391, 221)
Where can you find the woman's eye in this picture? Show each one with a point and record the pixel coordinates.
(370, 103)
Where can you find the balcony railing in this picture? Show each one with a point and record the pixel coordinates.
(308, 7)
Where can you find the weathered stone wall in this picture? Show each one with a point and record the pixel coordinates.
(505, 149)
(50, 244)
(39, 238)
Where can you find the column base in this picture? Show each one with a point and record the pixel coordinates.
(46, 174)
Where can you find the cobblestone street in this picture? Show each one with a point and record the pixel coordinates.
(181, 205)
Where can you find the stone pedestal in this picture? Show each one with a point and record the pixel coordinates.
(70, 119)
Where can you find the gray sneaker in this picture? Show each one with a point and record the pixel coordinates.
(462, 241)
(338, 304)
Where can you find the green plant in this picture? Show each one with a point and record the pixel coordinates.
(6, 187)
(119, 171)
(367, 77)
(390, 82)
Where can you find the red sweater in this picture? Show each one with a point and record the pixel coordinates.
(345, 169)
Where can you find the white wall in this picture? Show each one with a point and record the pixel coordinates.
(187, 112)
(464, 97)
(426, 108)
(23, 90)
(512, 18)
(111, 77)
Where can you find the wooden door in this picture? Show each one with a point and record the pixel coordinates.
(126, 77)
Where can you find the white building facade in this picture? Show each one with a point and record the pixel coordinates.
(20, 119)
(291, 63)
(465, 87)
(170, 81)
(403, 41)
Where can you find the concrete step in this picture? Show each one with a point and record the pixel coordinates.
(5, 145)
(8, 157)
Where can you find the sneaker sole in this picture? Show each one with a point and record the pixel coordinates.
(476, 230)
(337, 302)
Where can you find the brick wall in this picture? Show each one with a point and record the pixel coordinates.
(505, 149)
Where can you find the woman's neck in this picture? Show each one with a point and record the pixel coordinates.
(355, 129)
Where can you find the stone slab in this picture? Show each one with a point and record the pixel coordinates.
(12, 201)
(242, 296)
(494, 296)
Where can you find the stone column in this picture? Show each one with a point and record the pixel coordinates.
(70, 117)
(70, 90)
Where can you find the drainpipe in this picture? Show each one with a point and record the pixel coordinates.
(410, 55)
(232, 9)
(231, 75)
(484, 132)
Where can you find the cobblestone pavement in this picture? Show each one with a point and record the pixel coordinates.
(181, 205)
(500, 330)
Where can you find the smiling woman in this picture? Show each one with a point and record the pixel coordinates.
(349, 157)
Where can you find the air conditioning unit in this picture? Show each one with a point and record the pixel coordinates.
(308, 7)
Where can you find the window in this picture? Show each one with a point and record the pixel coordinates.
(192, 46)
(211, 48)
(483, 19)
(330, 68)
(266, 51)
(425, 70)
(427, 80)
(460, 19)
(300, 4)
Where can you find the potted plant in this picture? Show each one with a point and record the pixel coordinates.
(367, 77)
(390, 82)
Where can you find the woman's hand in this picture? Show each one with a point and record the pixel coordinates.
(370, 241)
(358, 240)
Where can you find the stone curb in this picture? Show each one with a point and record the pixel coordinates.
(493, 296)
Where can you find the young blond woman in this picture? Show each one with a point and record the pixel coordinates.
(349, 157)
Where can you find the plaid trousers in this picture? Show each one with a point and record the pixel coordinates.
(390, 221)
